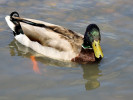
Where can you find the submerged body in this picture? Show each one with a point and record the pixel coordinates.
(50, 40)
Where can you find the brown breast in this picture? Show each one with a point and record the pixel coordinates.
(85, 55)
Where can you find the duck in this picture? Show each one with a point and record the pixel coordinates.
(55, 41)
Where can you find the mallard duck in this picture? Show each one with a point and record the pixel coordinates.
(55, 41)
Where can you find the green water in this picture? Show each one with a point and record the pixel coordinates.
(111, 79)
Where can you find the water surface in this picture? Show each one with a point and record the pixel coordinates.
(110, 79)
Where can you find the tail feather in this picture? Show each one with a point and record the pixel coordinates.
(16, 28)
(10, 23)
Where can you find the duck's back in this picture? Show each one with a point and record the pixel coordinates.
(53, 36)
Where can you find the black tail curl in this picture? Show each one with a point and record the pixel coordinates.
(18, 29)
(15, 14)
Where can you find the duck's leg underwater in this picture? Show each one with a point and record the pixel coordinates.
(35, 65)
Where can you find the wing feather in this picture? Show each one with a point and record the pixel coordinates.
(51, 31)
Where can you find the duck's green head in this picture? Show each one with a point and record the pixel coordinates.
(92, 39)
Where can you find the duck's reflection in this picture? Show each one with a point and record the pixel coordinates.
(91, 72)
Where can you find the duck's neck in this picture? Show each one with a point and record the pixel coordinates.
(85, 55)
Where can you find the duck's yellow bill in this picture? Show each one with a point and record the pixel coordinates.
(97, 49)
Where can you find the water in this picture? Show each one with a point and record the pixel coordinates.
(111, 79)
